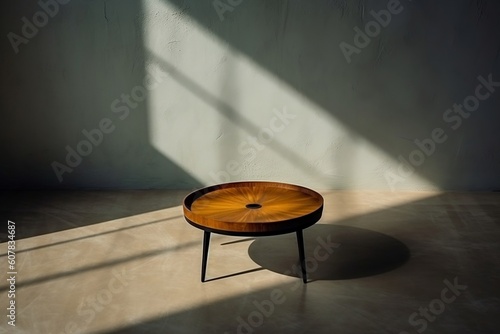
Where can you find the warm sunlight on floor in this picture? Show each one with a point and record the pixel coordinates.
(140, 273)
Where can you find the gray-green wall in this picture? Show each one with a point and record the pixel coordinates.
(188, 93)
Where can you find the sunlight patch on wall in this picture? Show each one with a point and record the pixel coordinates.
(222, 117)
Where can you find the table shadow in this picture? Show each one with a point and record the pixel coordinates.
(333, 252)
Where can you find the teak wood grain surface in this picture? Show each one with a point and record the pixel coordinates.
(257, 207)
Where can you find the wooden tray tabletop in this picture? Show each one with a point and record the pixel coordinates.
(253, 208)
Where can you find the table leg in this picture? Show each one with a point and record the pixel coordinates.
(300, 242)
(206, 242)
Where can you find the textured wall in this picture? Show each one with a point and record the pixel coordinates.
(330, 94)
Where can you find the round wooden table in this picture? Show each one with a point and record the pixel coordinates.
(256, 208)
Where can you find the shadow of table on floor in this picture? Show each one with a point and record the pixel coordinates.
(333, 252)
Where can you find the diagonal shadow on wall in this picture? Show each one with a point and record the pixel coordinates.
(85, 66)
(396, 89)
(61, 83)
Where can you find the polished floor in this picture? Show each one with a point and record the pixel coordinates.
(127, 262)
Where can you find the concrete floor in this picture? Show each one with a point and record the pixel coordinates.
(127, 262)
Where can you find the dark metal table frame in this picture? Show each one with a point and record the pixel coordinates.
(206, 244)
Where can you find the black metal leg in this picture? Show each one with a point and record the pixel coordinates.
(300, 242)
(206, 243)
